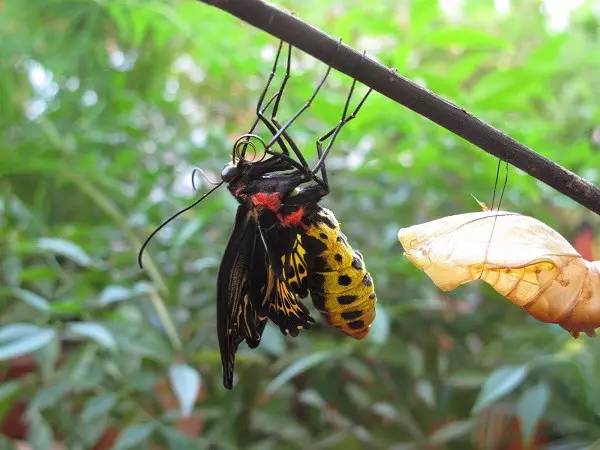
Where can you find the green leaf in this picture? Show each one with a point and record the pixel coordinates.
(272, 341)
(186, 382)
(530, 409)
(82, 364)
(12, 269)
(7, 444)
(39, 433)
(95, 331)
(357, 395)
(380, 329)
(65, 248)
(47, 357)
(20, 339)
(98, 406)
(187, 231)
(464, 37)
(313, 398)
(133, 435)
(16, 331)
(8, 391)
(296, 368)
(593, 446)
(500, 383)
(68, 306)
(114, 293)
(179, 441)
(425, 391)
(451, 431)
(32, 299)
(49, 395)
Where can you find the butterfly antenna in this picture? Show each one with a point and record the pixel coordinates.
(204, 176)
(165, 222)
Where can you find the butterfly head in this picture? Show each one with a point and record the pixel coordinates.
(230, 172)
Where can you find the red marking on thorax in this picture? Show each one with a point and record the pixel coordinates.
(270, 201)
(292, 219)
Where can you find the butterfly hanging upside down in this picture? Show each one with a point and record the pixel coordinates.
(283, 244)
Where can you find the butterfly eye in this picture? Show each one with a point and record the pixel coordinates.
(229, 172)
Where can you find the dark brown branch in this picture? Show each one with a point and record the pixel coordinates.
(291, 29)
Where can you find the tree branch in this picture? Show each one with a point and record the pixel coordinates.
(291, 29)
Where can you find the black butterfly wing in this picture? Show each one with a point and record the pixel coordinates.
(242, 287)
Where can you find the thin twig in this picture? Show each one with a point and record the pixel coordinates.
(313, 41)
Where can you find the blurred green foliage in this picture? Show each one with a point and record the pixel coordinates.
(105, 109)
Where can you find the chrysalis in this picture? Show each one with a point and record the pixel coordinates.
(522, 258)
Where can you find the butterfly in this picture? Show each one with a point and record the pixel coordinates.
(284, 245)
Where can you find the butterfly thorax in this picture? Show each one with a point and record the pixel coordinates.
(287, 196)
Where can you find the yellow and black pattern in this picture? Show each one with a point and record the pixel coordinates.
(341, 288)
(286, 310)
(294, 265)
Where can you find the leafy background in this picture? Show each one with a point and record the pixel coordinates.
(105, 109)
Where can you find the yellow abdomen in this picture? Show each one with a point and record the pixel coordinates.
(341, 288)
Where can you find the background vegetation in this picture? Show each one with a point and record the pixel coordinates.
(105, 109)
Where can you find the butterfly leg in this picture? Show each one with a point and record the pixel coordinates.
(259, 105)
(262, 106)
(273, 125)
(274, 121)
(332, 134)
(283, 137)
(286, 77)
(260, 112)
(306, 105)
